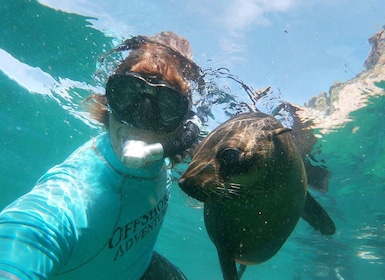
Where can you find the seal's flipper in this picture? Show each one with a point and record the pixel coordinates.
(316, 216)
(241, 270)
(228, 266)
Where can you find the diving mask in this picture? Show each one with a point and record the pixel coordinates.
(146, 103)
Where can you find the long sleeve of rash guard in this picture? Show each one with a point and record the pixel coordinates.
(90, 217)
(36, 235)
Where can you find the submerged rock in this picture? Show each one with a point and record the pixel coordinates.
(330, 111)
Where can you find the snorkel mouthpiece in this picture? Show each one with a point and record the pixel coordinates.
(137, 154)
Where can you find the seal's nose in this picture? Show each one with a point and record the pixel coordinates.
(181, 182)
(192, 188)
(184, 186)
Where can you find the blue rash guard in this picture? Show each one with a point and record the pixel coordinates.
(90, 217)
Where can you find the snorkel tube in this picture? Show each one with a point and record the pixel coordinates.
(137, 154)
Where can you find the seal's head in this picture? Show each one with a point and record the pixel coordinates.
(237, 157)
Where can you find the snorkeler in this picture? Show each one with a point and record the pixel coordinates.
(97, 215)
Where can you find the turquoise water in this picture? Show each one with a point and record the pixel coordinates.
(42, 123)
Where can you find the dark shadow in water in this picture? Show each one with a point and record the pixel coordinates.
(61, 44)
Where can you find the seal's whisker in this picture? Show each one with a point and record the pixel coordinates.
(221, 191)
(230, 190)
(206, 192)
(227, 190)
(235, 186)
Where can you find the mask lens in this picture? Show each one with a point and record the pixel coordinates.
(120, 93)
(128, 95)
(172, 106)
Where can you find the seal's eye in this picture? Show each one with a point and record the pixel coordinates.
(229, 157)
(230, 162)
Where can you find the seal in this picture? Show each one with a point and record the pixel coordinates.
(252, 180)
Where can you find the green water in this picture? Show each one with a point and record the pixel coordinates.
(40, 130)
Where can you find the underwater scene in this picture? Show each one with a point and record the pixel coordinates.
(315, 67)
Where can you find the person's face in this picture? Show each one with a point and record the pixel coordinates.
(120, 132)
(143, 109)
